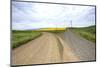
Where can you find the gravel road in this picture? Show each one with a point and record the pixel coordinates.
(54, 48)
(83, 48)
(48, 48)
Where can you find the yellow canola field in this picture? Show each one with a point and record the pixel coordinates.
(51, 29)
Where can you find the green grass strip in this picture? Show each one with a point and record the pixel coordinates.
(21, 37)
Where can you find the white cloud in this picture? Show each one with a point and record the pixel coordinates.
(38, 15)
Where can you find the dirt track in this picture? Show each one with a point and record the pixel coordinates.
(83, 48)
(48, 48)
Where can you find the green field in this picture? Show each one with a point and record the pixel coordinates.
(54, 31)
(22, 37)
(86, 32)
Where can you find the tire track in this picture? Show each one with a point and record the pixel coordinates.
(48, 48)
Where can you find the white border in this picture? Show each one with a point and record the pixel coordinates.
(5, 34)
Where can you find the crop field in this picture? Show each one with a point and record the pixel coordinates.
(52, 30)
(86, 32)
(21, 37)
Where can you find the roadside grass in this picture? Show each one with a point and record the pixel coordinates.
(87, 32)
(22, 37)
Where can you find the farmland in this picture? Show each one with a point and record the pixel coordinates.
(52, 30)
(86, 32)
(21, 37)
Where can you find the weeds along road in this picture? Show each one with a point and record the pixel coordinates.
(54, 48)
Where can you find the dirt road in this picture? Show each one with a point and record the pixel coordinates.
(54, 48)
(83, 48)
(48, 48)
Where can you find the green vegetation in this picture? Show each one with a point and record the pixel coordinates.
(21, 37)
(86, 32)
(54, 31)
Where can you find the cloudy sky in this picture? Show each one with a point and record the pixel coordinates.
(27, 15)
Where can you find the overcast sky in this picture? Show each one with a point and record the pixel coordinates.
(27, 15)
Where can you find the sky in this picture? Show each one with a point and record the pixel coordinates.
(27, 15)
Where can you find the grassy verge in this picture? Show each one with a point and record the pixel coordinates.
(87, 32)
(22, 37)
